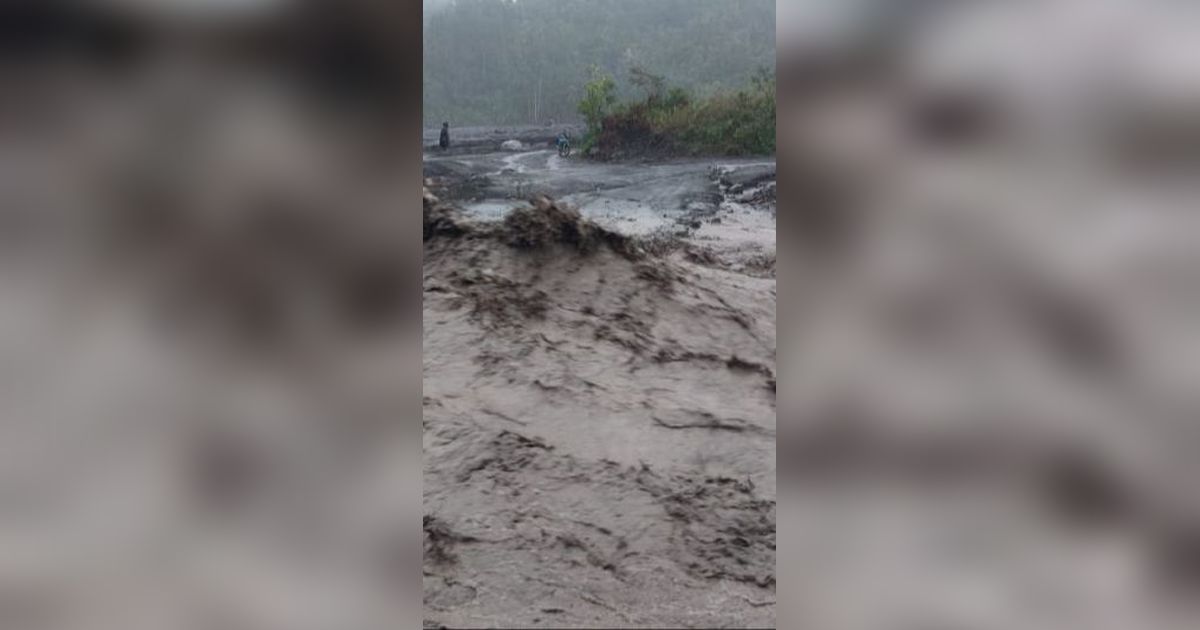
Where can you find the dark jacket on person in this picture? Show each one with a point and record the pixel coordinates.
(444, 141)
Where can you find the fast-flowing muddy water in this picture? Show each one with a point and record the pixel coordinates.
(599, 380)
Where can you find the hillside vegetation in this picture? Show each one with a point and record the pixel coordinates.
(673, 121)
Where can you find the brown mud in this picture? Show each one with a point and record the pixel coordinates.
(599, 420)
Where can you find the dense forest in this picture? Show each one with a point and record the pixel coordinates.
(528, 61)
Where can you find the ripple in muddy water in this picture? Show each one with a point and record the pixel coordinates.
(448, 595)
(626, 217)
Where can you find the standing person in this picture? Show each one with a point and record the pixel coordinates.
(444, 141)
(563, 140)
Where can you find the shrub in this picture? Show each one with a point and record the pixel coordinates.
(600, 96)
(671, 121)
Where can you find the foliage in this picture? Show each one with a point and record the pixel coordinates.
(726, 123)
(676, 98)
(600, 95)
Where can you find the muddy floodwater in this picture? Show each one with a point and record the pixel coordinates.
(726, 204)
(599, 389)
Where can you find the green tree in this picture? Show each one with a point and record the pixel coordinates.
(600, 96)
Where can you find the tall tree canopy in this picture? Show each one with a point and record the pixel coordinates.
(521, 61)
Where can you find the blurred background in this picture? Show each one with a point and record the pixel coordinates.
(209, 359)
(208, 324)
(989, 279)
